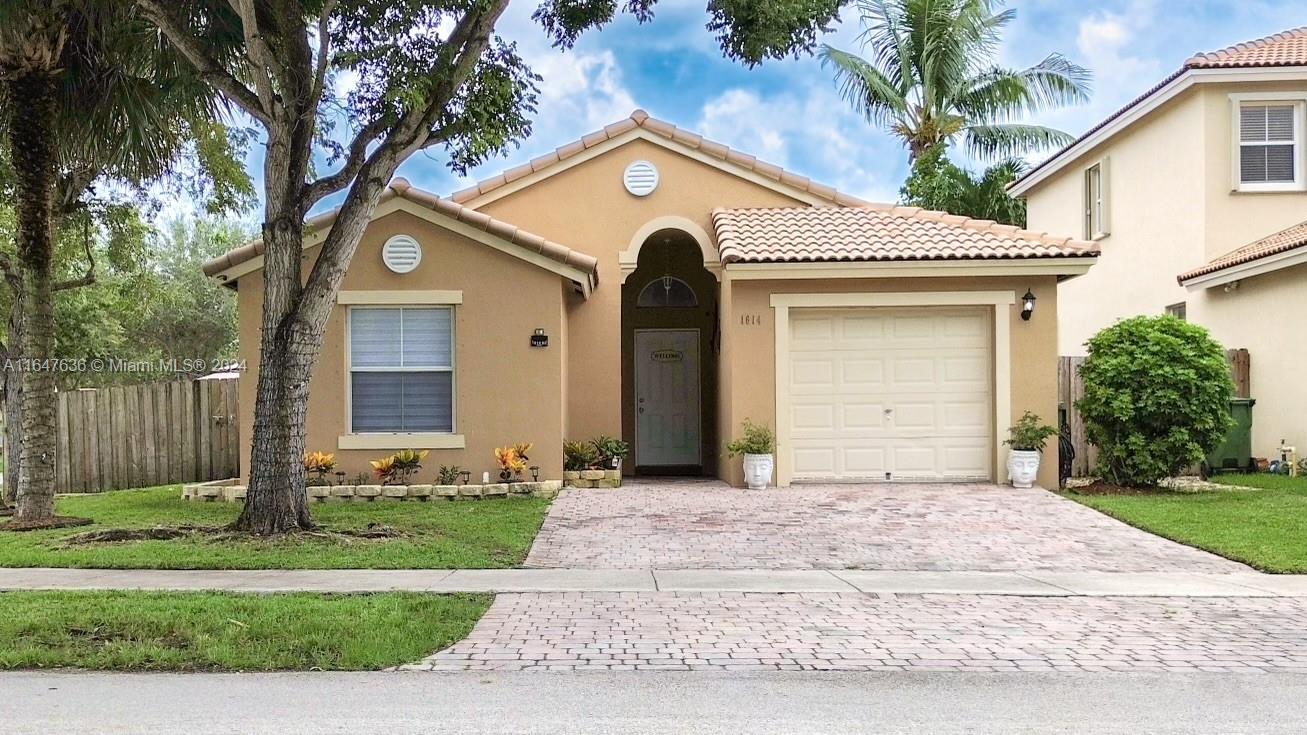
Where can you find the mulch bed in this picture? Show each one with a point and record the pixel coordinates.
(1099, 487)
(372, 531)
(45, 524)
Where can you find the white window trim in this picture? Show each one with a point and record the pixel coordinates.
(1104, 203)
(402, 439)
(1241, 99)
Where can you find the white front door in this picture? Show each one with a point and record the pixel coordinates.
(667, 413)
(891, 394)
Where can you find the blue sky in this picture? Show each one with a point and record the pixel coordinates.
(789, 113)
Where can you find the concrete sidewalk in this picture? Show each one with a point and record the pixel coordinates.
(1032, 583)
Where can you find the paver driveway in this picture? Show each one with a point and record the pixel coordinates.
(709, 525)
(827, 631)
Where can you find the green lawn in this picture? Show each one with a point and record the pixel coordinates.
(202, 631)
(1261, 520)
(437, 535)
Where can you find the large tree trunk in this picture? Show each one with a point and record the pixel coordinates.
(276, 501)
(32, 151)
(13, 398)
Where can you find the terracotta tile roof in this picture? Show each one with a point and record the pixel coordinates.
(401, 188)
(641, 119)
(1281, 242)
(823, 234)
(1286, 48)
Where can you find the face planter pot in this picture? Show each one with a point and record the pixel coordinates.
(757, 470)
(1022, 467)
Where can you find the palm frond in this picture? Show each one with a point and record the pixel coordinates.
(1011, 139)
(864, 86)
(1056, 81)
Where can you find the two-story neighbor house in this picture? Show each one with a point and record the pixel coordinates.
(1197, 195)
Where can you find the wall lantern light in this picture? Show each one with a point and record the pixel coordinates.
(539, 338)
(1027, 305)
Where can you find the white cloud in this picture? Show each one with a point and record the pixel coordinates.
(581, 89)
(816, 135)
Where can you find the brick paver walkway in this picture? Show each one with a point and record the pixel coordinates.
(743, 631)
(919, 527)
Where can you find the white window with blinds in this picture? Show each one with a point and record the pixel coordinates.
(1269, 144)
(401, 369)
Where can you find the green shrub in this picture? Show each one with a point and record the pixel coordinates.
(579, 456)
(609, 448)
(1028, 434)
(757, 439)
(1157, 398)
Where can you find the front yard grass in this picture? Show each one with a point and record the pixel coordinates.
(208, 631)
(1261, 520)
(441, 534)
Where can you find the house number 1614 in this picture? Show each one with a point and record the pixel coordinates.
(751, 320)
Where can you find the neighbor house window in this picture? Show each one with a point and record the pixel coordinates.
(1179, 311)
(1269, 156)
(1096, 201)
(401, 369)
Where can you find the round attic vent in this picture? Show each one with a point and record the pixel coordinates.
(401, 253)
(640, 178)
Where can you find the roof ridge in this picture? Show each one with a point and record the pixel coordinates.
(639, 118)
(1248, 45)
(842, 224)
(402, 188)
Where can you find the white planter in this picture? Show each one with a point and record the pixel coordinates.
(757, 470)
(1022, 467)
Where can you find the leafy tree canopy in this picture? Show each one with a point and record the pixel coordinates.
(938, 183)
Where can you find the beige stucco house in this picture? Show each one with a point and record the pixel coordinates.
(1196, 193)
(646, 283)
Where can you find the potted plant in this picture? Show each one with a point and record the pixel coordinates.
(758, 447)
(1027, 439)
(611, 451)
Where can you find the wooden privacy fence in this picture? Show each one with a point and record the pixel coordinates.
(150, 434)
(1070, 389)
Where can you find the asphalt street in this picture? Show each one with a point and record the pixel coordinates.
(627, 703)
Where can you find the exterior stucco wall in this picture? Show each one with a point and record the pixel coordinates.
(1264, 315)
(749, 363)
(586, 208)
(1173, 208)
(1233, 219)
(505, 391)
(1156, 190)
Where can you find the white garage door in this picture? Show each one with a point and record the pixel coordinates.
(891, 394)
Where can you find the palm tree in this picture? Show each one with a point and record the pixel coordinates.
(938, 183)
(88, 92)
(930, 78)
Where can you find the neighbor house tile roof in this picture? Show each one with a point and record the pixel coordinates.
(401, 188)
(1286, 48)
(870, 233)
(1283, 241)
(641, 119)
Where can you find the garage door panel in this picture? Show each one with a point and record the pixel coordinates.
(876, 391)
(862, 417)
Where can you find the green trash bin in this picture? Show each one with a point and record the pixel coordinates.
(1235, 453)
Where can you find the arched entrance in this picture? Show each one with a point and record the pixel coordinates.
(670, 342)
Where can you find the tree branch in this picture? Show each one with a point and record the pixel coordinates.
(89, 277)
(208, 67)
(265, 66)
(354, 160)
(324, 49)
